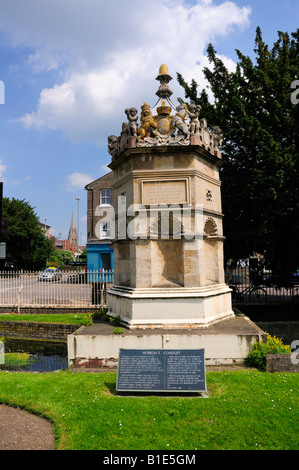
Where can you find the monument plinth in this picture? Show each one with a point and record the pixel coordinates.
(168, 239)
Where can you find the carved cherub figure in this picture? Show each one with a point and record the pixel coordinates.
(218, 136)
(132, 115)
(179, 119)
(147, 121)
(194, 111)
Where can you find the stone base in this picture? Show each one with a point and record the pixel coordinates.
(170, 307)
(225, 343)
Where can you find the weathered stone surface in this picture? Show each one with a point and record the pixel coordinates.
(281, 363)
(36, 330)
(168, 245)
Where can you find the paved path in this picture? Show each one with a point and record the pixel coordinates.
(20, 430)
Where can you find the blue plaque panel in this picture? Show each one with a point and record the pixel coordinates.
(161, 370)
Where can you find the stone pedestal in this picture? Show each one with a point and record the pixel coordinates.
(171, 307)
(168, 241)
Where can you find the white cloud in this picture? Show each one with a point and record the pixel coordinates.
(108, 54)
(2, 169)
(78, 181)
(56, 233)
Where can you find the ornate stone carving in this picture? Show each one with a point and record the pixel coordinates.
(210, 228)
(166, 226)
(159, 141)
(164, 78)
(194, 111)
(218, 137)
(178, 120)
(205, 135)
(165, 126)
(132, 115)
(147, 122)
(209, 195)
(171, 126)
(113, 143)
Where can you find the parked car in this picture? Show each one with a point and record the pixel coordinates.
(50, 274)
(77, 278)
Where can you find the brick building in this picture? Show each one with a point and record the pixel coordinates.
(99, 250)
(98, 193)
(66, 245)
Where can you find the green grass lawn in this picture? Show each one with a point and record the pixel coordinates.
(73, 318)
(244, 409)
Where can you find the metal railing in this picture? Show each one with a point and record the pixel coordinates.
(52, 288)
(36, 364)
(262, 285)
(89, 288)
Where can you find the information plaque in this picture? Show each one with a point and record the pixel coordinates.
(161, 370)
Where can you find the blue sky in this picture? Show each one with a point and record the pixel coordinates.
(70, 68)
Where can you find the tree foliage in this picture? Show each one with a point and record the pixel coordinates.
(26, 244)
(252, 105)
(60, 257)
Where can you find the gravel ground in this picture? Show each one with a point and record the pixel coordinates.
(20, 430)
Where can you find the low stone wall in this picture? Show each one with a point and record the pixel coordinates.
(48, 310)
(281, 363)
(227, 342)
(36, 330)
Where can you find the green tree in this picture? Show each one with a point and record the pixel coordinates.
(252, 105)
(60, 257)
(83, 255)
(26, 245)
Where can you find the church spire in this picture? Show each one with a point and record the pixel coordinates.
(73, 237)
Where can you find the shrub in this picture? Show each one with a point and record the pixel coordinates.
(118, 331)
(87, 320)
(97, 315)
(115, 321)
(100, 314)
(257, 354)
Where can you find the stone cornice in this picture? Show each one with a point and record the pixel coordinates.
(166, 150)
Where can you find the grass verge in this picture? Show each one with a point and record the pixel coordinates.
(73, 319)
(245, 409)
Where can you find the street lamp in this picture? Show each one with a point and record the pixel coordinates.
(46, 218)
(78, 234)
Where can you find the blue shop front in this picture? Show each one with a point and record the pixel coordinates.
(99, 259)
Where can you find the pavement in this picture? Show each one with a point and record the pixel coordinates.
(237, 325)
(21, 430)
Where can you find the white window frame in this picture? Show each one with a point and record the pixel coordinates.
(105, 230)
(105, 195)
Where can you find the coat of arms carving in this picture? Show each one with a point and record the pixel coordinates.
(172, 125)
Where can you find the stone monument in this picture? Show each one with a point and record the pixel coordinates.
(167, 218)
